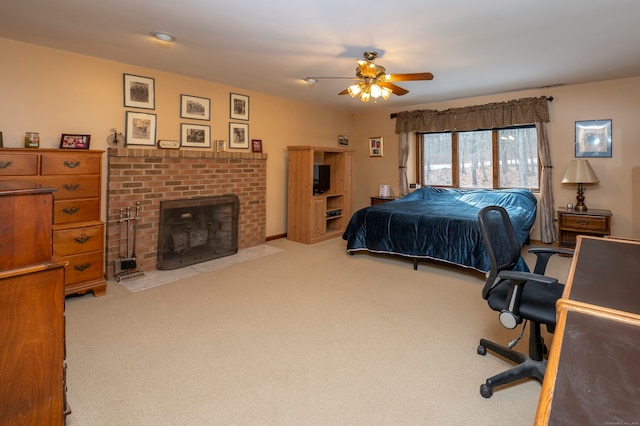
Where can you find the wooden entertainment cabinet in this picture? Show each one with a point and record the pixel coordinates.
(318, 217)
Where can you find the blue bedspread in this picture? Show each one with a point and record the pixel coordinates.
(438, 223)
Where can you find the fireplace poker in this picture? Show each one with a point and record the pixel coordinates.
(128, 262)
(135, 233)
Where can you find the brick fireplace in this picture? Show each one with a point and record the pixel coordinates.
(149, 176)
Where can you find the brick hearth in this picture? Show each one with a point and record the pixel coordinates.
(149, 176)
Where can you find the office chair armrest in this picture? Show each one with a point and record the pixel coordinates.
(522, 277)
(510, 315)
(543, 254)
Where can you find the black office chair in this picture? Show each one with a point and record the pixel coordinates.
(518, 296)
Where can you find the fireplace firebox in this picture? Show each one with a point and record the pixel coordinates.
(196, 230)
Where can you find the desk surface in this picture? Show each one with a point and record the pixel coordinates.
(606, 273)
(599, 383)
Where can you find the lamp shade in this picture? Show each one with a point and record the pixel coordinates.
(580, 171)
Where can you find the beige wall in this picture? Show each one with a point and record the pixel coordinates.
(55, 92)
(618, 100)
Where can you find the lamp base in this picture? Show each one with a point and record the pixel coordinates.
(580, 206)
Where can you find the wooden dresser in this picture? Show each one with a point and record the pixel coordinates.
(32, 346)
(78, 232)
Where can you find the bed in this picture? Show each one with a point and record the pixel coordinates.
(438, 224)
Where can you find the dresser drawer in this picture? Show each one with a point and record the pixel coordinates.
(83, 267)
(70, 164)
(76, 210)
(78, 240)
(18, 165)
(72, 187)
(585, 223)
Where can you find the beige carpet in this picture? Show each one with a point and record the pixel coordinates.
(305, 336)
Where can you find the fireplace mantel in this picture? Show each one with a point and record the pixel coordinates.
(149, 176)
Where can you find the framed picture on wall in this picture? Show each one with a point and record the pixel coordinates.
(238, 135)
(593, 138)
(139, 92)
(140, 128)
(195, 135)
(375, 146)
(256, 145)
(239, 107)
(195, 107)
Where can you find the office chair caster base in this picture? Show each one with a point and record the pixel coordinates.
(482, 350)
(486, 391)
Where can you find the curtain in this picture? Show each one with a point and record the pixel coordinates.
(489, 116)
(403, 156)
(548, 230)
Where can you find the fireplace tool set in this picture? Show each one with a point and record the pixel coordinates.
(126, 265)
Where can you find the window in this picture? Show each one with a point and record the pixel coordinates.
(500, 158)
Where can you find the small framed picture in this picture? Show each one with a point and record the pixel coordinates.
(239, 107)
(256, 145)
(238, 135)
(139, 92)
(195, 107)
(221, 145)
(140, 128)
(593, 138)
(195, 135)
(75, 141)
(343, 140)
(375, 146)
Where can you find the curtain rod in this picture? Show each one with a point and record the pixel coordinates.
(395, 114)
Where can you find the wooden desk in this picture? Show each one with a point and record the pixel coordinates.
(593, 371)
(605, 275)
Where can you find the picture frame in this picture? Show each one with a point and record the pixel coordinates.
(238, 107)
(69, 141)
(593, 139)
(343, 140)
(376, 146)
(195, 107)
(256, 145)
(221, 145)
(238, 135)
(195, 135)
(140, 128)
(139, 92)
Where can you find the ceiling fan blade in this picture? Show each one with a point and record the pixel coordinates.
(396, 90)
(344, 92)
(409, 77)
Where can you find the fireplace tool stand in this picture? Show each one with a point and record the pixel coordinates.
(126, 265)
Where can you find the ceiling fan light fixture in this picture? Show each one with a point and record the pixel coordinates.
(355, 90)
(386, 93)
(376, 91)
(311, 81)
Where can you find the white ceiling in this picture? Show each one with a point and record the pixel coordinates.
(472, 47)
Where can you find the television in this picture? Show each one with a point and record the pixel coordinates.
(321, 178)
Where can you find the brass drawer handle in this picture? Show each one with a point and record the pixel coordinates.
(82, 239)
(71, 186)
(82, 268)
(582, 222)
(71, 164)
(5, 164)
(71, 210)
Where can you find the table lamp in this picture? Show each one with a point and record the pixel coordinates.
(580, 172)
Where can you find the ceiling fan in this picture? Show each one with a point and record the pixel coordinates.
(373, 80)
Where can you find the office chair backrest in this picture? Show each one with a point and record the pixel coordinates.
(500, 241)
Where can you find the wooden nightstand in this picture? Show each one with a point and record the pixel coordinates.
(572, 223)
(381, 200)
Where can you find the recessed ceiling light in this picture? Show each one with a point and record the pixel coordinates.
(164, 36)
